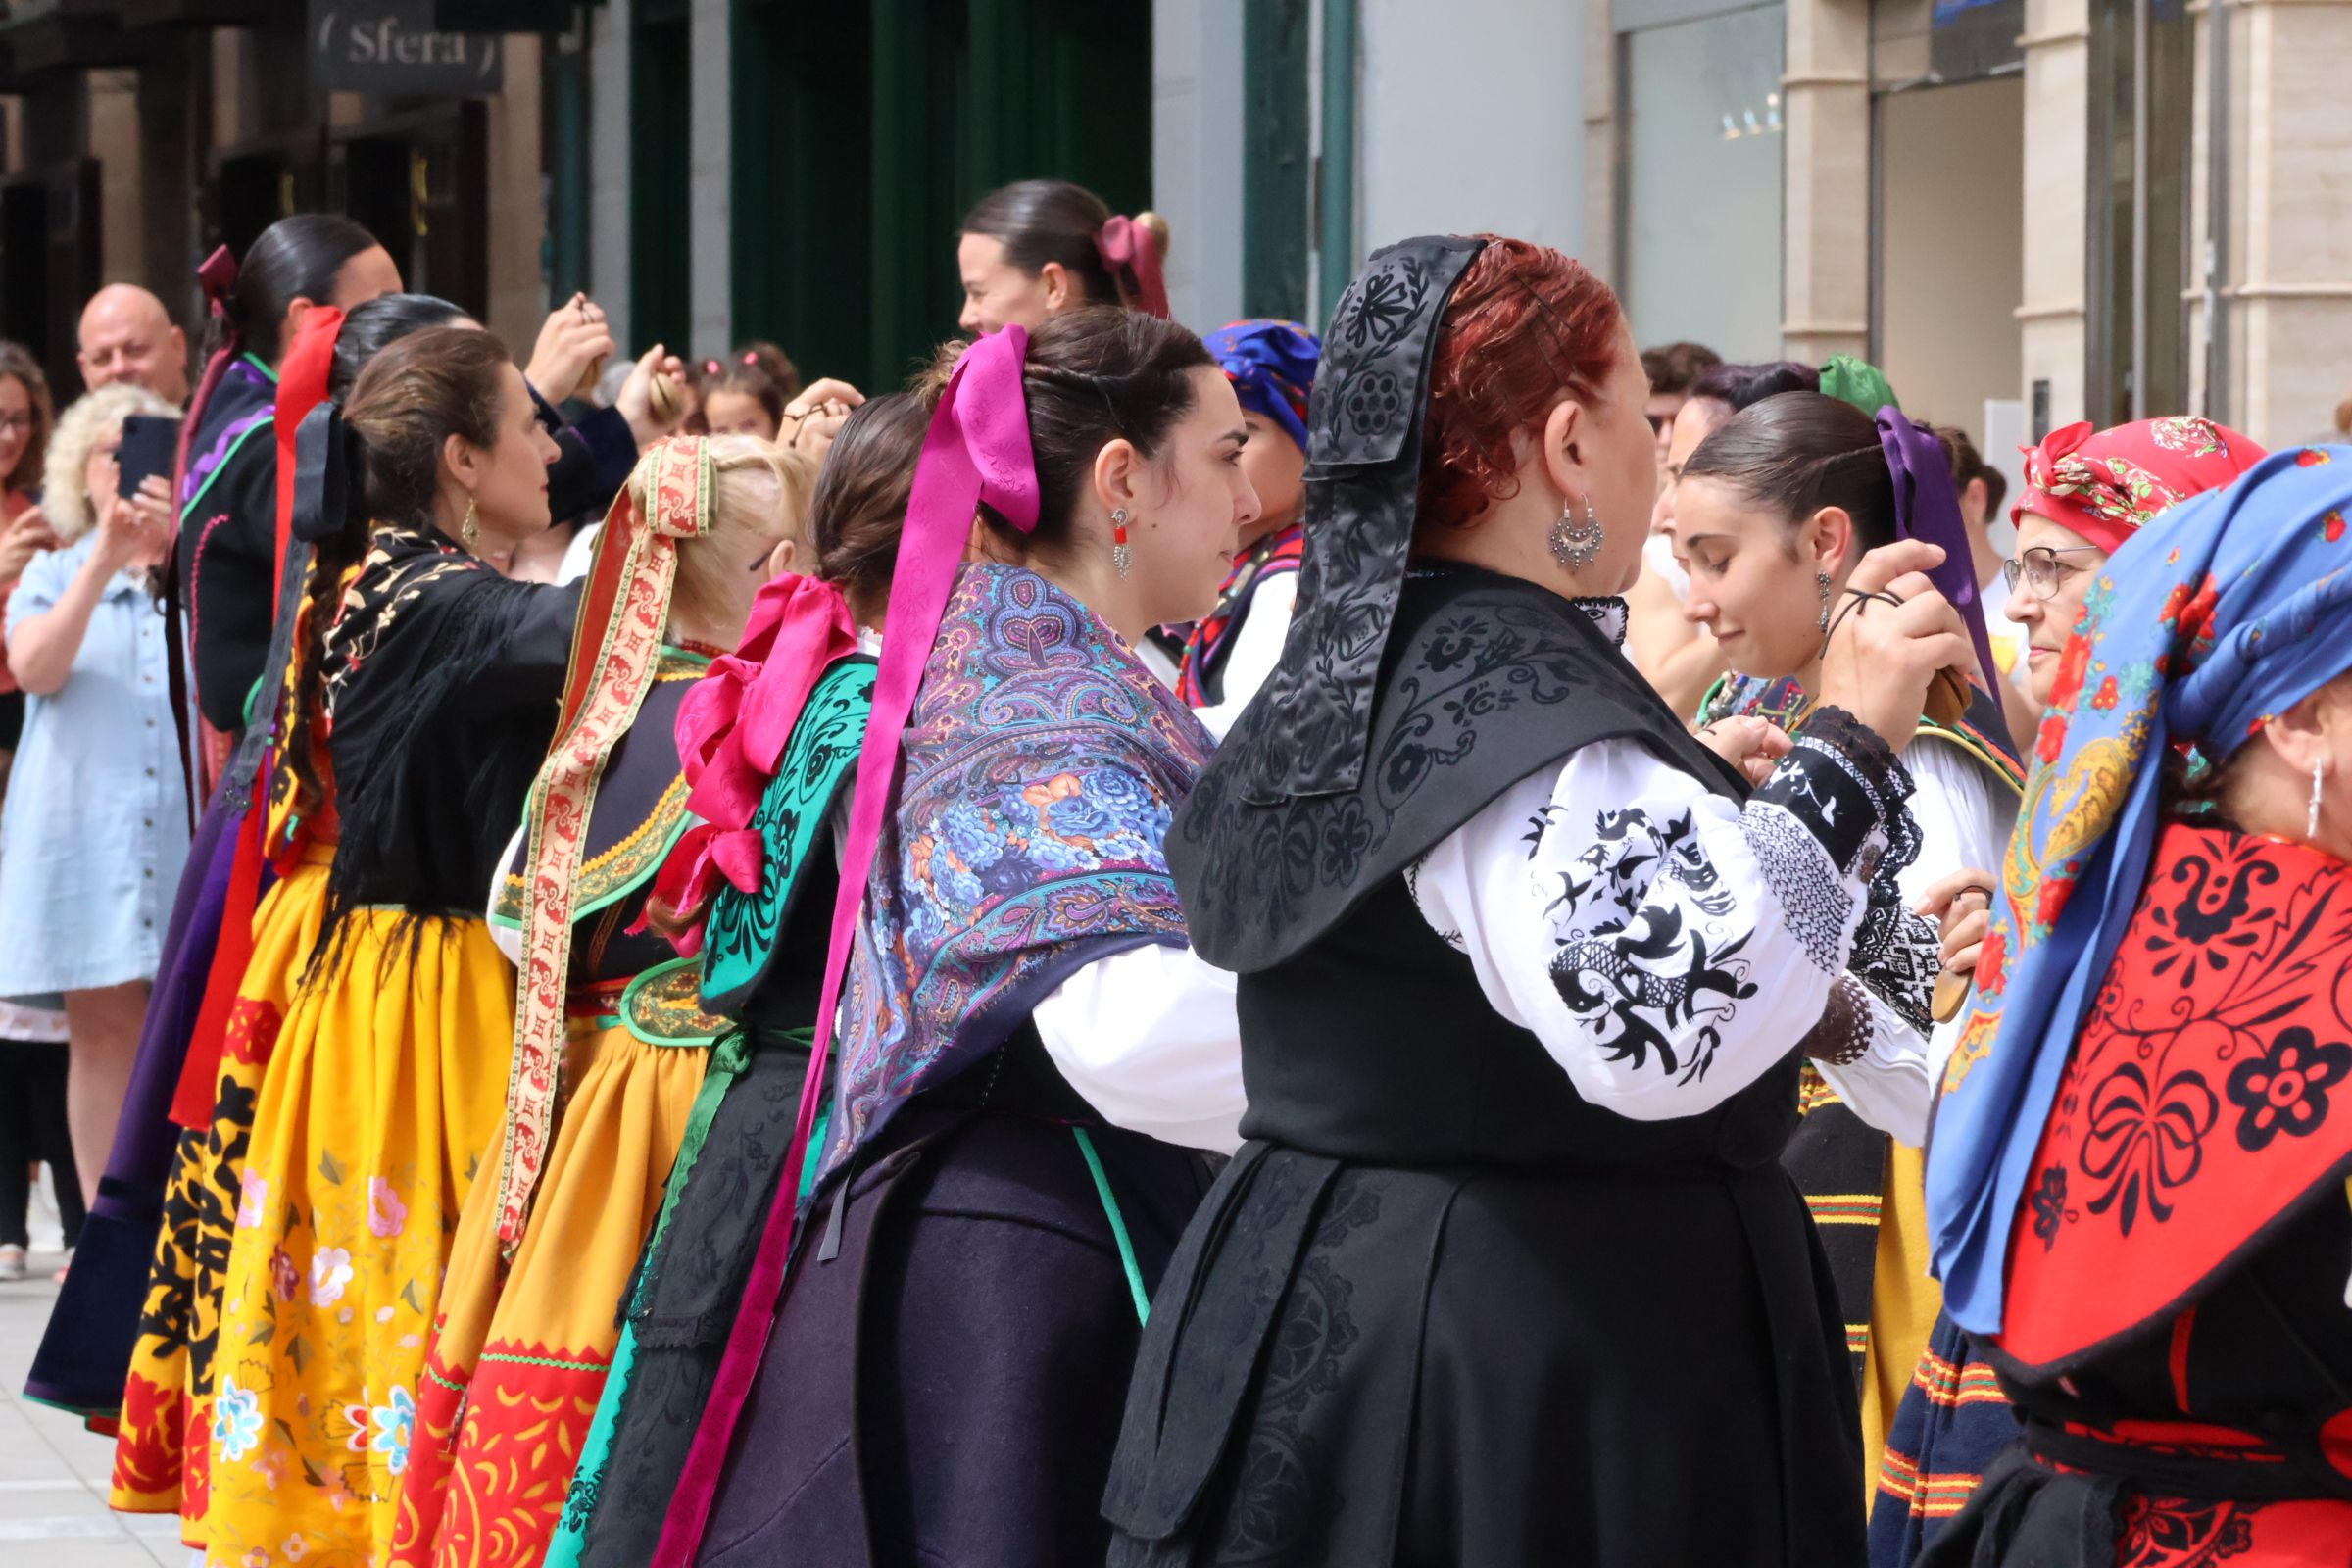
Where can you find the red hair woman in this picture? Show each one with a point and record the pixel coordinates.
(1507, 1266)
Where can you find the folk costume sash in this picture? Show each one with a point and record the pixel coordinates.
(623, 613)
(301, 389)
(2213, 616)
(2204, 1100)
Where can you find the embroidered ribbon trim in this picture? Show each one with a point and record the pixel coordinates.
(627, 599)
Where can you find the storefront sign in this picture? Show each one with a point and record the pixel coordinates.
(391, 46)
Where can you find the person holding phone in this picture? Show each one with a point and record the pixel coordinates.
(96, 824)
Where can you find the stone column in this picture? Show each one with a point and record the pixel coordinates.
(1600, 250)
(2289, 305)
(608, 163)
(518, 302)
(1824, 88)
(2053, 322)
(710, 272)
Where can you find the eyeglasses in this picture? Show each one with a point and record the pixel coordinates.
(2041, 568)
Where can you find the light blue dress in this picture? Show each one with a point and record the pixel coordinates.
(96, 824)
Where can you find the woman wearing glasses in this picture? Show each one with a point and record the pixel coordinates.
(2085, 495)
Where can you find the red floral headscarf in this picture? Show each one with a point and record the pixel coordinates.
(2104, 484)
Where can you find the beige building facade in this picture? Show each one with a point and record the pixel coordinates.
(2010, 201)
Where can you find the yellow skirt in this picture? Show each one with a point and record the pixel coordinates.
(161, 1446)
(520, 1358)
(1903, 1303)
(388, 1079)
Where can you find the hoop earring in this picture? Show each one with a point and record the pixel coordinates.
(2319, 776)
(1122, 560)
(1821, 585)
(469, 532)
(1577, 545)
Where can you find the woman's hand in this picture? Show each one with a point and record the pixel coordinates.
(1962, 904)
(814, 418)
(1889, 632)
(1750, 745)
(131, 531)
(572, 346)
(25, 536)
(635, 400)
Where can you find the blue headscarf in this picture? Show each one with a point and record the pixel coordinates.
(2212, 618)
(1271, 364)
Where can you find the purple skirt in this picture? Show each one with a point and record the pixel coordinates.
(85, 1354)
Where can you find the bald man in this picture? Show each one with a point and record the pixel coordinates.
(127, 336)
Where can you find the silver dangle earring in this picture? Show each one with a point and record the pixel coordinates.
(1577, 545)
(1820, 586)
(2319, 776)
(1121, 561)
(470, 530)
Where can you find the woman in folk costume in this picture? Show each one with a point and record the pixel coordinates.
(609, 1043)
(2086, 494)
(434, 683)
(1272, 365)
(252, 931)
(226, 489)
(1771, 515)
(2137, 1182)
(768, 741)
(1547, 1295)
(1030, 1054)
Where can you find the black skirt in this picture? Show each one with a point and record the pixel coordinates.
(943, 1382)
(1362, 1365)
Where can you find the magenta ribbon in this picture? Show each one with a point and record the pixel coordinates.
(731, 729)
(978, 451)
(1128, 247)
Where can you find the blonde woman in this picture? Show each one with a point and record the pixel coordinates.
(529, 1315)
(96, 822)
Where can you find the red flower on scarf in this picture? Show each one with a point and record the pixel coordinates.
(2071, 667)
(2052, 738)
(2054, 891)
(2189, 611)
(2104, 700)
(2311, 457)
(2332, 527)
(1993, 963)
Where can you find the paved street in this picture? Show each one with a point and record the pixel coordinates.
(53, 1511)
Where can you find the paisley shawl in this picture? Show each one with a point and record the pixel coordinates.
(2211, 617)
(1042, 765)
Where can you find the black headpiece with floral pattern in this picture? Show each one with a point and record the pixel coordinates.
(1363, 467)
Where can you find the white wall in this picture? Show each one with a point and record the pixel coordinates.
(1470, 117)
(1197, 93)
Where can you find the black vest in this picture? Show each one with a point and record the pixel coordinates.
(1365, 1036)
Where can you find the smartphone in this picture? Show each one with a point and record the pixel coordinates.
(148, 442)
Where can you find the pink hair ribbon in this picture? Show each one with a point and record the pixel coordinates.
(1132, 251)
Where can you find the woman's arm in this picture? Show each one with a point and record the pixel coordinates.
(1665, 944)
(1151, 1039)
(45, 633)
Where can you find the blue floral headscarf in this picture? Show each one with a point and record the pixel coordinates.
(2211, 619)
(1271, 364)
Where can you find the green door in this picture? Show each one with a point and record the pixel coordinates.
(862, 134)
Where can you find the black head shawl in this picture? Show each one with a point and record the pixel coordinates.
(1363, 468)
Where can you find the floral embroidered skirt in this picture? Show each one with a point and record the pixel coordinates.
(388, 1080)
(521, 1354)
(161, 1448)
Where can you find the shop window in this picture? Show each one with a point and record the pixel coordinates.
(1700, 186)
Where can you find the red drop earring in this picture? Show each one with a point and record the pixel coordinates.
(1121, 560)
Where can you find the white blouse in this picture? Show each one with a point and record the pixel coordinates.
(1668, 946)
(1257, 650)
